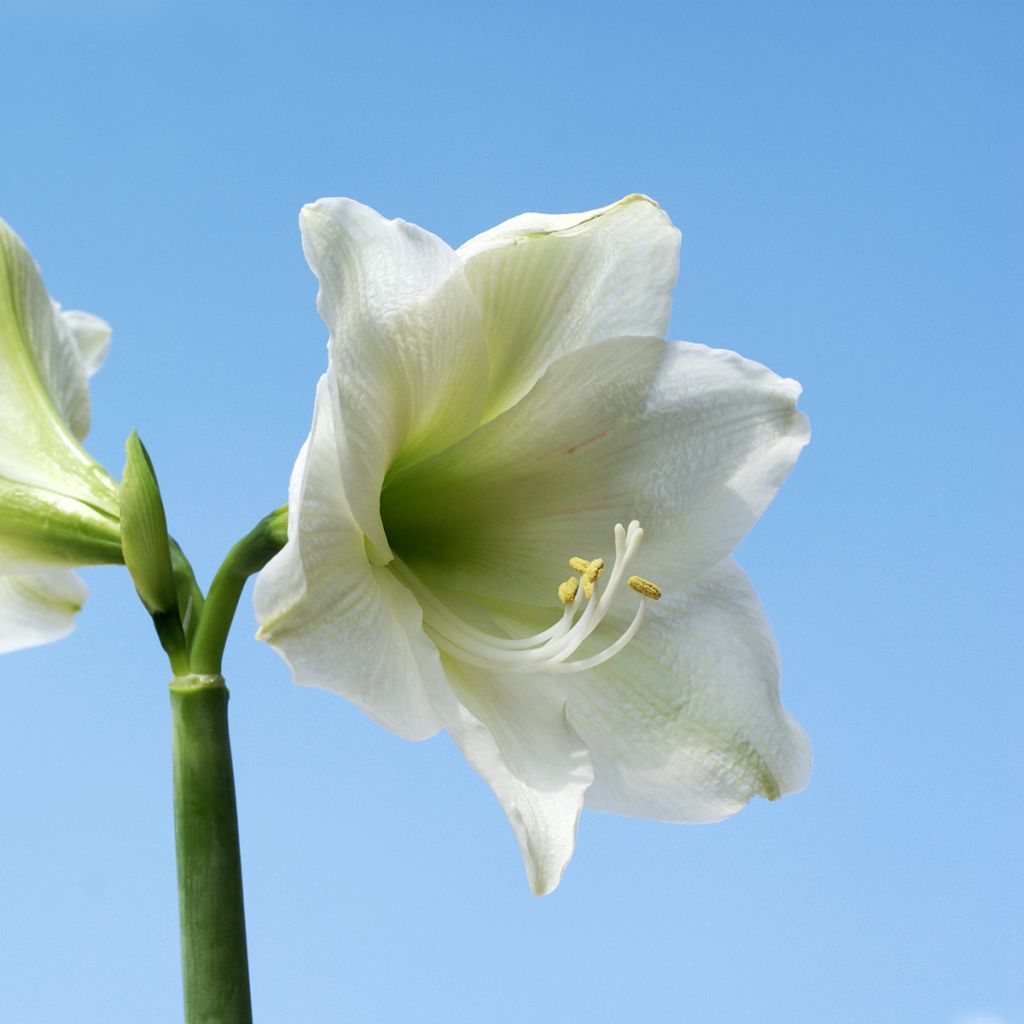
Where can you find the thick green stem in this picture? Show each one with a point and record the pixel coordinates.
(213, 952)
(215, 969)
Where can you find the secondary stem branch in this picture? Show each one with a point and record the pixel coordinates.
(248, 556)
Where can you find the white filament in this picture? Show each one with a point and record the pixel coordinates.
(547, 651)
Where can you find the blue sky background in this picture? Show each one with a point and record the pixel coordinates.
(847, 178)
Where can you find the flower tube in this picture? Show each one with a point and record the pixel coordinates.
(58, 506)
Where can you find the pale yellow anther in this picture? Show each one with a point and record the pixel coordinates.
(590, 576)
(578, 564)
(567, 590)
(645, 587)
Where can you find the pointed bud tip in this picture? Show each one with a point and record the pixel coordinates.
(144, 539)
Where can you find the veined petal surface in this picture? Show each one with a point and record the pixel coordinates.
(38, 608)
(552, 283)
(686, 723)
(341, 623)
(406, 345)
(692, 442)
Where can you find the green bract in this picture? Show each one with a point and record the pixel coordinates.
(58, 507)
(491, 418)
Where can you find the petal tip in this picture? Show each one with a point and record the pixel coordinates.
(638, 197)
(543, 873)
(324, 208)
(544, 886)
(801, 764)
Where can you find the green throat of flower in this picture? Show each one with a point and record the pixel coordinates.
(550, 651)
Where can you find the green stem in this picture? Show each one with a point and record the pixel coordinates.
(215, 969)
(248, 556)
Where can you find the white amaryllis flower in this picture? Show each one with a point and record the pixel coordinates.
(58, 507)
(492, 418)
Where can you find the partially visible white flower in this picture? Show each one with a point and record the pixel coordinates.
(58, 507)
(487, 415)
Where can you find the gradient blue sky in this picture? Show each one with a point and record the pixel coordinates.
(847, 178)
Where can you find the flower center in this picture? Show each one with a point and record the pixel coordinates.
(552, 649)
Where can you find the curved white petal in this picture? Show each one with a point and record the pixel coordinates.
(693, 442)
(38, 608)
(406, 344)
(92, 337)
(513, 730)
(686, 723)
(549, 284)
(44, 396)
(341, 623)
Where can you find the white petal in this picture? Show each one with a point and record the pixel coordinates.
(341, 623)
(686, 724)
(549, 284)
(44, 396)
(693, 442)
(514, 732)
(406, 344)
(92, 337)
(39, 608)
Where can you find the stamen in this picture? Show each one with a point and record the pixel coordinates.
(591, 574)
(551, 649)
(645, 587)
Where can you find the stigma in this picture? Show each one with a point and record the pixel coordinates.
(586, 599)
